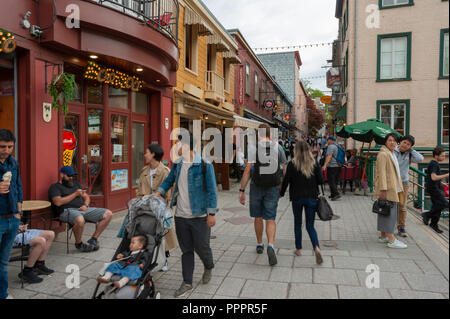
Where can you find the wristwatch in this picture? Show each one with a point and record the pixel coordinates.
(242, 190)
(212, 214)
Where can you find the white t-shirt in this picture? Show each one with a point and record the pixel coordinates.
(152, 172)
(183, 204)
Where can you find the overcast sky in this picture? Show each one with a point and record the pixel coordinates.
(269, 23)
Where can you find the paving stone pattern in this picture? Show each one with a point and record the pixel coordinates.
(349, 244)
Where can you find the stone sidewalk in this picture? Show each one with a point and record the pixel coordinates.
(349, 245)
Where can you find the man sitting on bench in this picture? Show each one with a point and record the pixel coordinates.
(72, 203)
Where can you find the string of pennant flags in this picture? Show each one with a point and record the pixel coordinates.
(302, 46)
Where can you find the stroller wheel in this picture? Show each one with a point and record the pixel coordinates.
(157, 295)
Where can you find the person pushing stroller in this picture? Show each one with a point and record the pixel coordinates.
(130, 263)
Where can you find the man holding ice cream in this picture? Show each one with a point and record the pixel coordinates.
(10, 204)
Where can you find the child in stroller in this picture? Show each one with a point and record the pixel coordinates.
(147, 217)
(129, 264)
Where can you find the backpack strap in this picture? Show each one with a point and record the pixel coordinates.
(204, 174)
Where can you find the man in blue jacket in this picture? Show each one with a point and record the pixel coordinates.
(10, 205)
(195, 197)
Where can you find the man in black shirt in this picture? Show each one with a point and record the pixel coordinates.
(433, 188)
(72, 203)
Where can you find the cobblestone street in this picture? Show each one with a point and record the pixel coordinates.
(349, 245)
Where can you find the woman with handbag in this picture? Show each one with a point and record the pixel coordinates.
(388, 192)
(304, 176)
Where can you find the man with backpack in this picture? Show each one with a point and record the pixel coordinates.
(266, 168)
(334, 160)
(195, 197)
(405, 156)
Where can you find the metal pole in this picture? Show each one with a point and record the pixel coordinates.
(356, 68)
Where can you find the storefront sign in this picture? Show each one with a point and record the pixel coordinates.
(326, 99)
(119, 179)
(112, 77)
(333, 75)
(47, 112)
(69, 147)
(7, 42)
(241, 86)
(269, 104)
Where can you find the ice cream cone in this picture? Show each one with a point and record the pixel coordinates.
(7, 177)
(67, 157)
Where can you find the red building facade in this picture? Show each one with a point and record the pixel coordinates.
(105, 132)
(253, 84)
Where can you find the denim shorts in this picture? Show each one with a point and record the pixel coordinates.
(264, 202)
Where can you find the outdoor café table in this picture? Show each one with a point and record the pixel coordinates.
(31, 205)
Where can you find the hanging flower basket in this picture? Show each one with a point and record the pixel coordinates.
(61, 89)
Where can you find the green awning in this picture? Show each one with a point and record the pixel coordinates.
(342, 113)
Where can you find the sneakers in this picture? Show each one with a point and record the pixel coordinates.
(183, 290)
(94, 243)
(259, 249)
(271, 255)
(436, 229)
(207, 274)
(41, 269)
(382, 240)
(29, 276)
(397, 244)
(85, 248)
(10, 297)
(337, 197)
(402, 232)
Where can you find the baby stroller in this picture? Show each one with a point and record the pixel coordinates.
(147, 216)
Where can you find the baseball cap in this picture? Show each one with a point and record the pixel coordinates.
(331, 138)
(68, 170)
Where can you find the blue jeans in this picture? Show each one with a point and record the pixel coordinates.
(310, 206)
(8, 232)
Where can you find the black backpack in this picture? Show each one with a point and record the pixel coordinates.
(266, 180)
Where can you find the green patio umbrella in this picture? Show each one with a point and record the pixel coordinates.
(366, 132)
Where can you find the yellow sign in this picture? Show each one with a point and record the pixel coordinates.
(326, 99)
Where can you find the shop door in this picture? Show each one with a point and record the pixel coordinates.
(74, 143)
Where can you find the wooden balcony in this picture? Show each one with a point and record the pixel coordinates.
(214, 87)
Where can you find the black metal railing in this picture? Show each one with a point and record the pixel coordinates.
(160, 14)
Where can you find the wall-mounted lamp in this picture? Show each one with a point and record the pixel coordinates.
(205, 116)
(224, 122)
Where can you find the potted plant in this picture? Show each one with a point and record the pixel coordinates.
(61, 89)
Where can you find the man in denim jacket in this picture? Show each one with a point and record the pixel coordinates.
(195, 197)
(10, 204)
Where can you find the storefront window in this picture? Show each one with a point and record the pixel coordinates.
(119, 138)
(118, 98)
(95, 151)
(138, 149)
(139, 103)
(95, 93)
